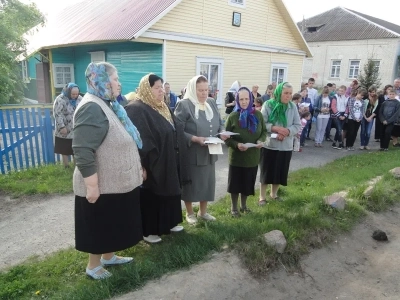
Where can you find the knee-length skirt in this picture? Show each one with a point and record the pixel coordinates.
(274, 166)
(112, 223)
(241, 180)
(202, 187)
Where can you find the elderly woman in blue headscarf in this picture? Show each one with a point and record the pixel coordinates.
(63, 111)
(283, 122)
(244, 149)
(108, 173)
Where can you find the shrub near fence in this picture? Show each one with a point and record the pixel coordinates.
(26, 138)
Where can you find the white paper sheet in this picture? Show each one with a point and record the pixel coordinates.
(250, 145)
(228, 133)
(213, 140)
(215, 149)
(274, 135)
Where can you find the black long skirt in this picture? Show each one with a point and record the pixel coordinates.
(159, 213)
(378, 128)
(241, 180)
(111, 224)
(274, 166)
(63, 146)
(396, 131)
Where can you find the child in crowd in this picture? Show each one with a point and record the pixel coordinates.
(305, 116)
(354, 112)
(388, 114)
(258, 102)
(296, 98)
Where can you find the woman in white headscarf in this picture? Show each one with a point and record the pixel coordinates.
(201, 119)
(231, 96)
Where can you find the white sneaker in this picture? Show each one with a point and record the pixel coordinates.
(206, 217)
(191, 219)
(152, 239)
(177, 228)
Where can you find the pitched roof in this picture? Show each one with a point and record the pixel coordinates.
(340, 24)
(100, 20)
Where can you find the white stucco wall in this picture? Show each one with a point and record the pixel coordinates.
(319, 66)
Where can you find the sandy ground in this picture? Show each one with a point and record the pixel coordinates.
(353, 267)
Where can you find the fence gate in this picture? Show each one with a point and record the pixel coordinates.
(26, 138)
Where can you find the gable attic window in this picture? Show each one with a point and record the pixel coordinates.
(312, 29)
(237, 3)
(97, 56)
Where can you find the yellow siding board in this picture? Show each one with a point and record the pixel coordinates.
(261, 22)
(249, 67)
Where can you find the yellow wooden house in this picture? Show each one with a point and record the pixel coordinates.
(255, 42)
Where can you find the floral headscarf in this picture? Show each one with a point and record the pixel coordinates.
(247, 118)
(278, 112)
(191, 94)
(98, 84)
(66, 91)
(145, 95)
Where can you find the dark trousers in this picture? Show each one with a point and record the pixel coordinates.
(309, 126)
(305, 132)
(339, 127)
(352, 130)
(386, 132)
(328, 128)
(378, 128)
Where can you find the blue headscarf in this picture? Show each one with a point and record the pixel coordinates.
(98, 84)
(247, 118)
(66, 91)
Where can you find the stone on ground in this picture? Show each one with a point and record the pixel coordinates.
(336, 201)
(276, 239)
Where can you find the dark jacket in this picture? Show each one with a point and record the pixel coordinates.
(389, 111)
(229, 98)
(164, 152)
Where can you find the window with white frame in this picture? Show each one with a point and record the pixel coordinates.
(279, 73)
(377, 65)
(97, 56)
(354, 68)
(63, 74)
(24, 71)
(238, 3)
(335, 69)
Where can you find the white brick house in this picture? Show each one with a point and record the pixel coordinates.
(342, 41)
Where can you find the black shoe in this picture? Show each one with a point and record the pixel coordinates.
(396, 145)
(334, 146)
(386, 149)
(308, 138)
(340, 146)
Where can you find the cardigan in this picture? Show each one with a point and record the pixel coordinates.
(250, 157)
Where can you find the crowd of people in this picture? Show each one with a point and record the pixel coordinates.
(137, 156)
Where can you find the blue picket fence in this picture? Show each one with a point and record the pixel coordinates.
(26, 138)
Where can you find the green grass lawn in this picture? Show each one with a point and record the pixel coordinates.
(303, 218)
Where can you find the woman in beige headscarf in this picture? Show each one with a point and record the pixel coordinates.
(201, 119)
(162, 156)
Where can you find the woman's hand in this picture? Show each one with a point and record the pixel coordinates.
(92, 193)
(280, 137)
(224, 137)
(384, 122)
(199, 140)
(144, 174)
(259, 144)
(63, 131)
(242, 147)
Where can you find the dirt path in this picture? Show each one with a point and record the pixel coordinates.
(353, 267)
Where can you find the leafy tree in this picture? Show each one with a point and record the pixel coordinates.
(16, 19)
(369, 75)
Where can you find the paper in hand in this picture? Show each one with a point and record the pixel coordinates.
(213, 140)
(250, 145)
(228, 133)
(215, 149)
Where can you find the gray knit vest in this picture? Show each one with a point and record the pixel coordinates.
(117, 159)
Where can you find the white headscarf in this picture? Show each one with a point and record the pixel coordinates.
(192, 96)
(235, 87)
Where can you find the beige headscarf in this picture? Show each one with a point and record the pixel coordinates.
(192, 96)
(144, 94)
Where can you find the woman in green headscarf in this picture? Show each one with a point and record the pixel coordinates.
(283, 123)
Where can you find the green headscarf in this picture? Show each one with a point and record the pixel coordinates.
(278, 109)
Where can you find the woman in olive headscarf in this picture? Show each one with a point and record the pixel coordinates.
(163, 157)
(282, 118)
